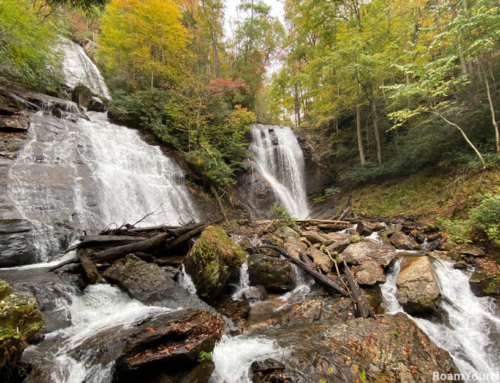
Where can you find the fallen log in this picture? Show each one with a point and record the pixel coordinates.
(106, 240)
(190, 234)
(185, 229)
(364, 309)
(125, 230)
(118, 251)
(314, 222)
(335, 226)
(89, 267)
(62, 264)
(316, 274)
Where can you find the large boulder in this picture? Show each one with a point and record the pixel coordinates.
(391, 349)
(360, 252)
(148, 283)
(276, 275)
(369, 273)
(418, 291)
(20, 320)
(164, 344)
(212, 260)
(404, 242)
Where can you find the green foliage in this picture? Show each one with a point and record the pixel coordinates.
(329, 192)
(484, 220)
(280, 213)
(203, 356)
(85, 5)
(27, 41)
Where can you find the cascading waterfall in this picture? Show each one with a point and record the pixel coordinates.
(89, 174)
(281, 161)
(79, 69)
(244, 282)
(471, 337)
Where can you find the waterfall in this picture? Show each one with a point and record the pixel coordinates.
(281, 161)
(79, 176)
(79, 69)
(471, 336)
(243, 283)
(186, 281)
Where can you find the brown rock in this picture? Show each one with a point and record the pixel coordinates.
(404, 242)
(295, 247)
(360, 252)
(339, 246)
(418, 291)
(471, 250)
(321, 260)
(369, 273)
(285, 232)
(313, 237)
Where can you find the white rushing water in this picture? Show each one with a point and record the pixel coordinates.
(472, 335)
(281, 161)
(243, 283)
(90, 174)
(101, 307)
(79, 69)
(234, 356)
(303, 284)
(185, 280)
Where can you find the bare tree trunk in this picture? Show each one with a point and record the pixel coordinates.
(492, 108)
(297, 103)
(375, 126)
(465, 136)
(358, 129)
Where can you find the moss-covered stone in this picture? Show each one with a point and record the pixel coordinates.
(212, 260)
(20, 319)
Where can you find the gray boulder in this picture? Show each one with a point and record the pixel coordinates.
(276, 275)
(418, 291)
(149, 284)
(360, 252)
(404, 242)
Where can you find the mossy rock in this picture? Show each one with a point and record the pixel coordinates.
(212, 260)
(20, 319)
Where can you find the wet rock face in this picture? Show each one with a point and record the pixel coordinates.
(418, 291)
(274, 274)
(149, 284)
(162, 344)
(16, 247)
(357, 253)
(404, 242)
(212, 260)
(20, 320)
(389, 349)
(317, 176)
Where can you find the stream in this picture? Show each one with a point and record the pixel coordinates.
(74, 177)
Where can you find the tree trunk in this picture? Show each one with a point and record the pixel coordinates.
(297, 104)
(375, 126)
(364, 309)
(89, 267)
(492, 108)
(465, 136)
(131, 248)
(358, 129)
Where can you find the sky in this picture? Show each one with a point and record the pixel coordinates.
(231, 12)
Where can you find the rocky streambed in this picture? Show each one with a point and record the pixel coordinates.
(236, 311)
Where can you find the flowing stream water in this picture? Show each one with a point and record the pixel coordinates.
(473, 332)
(281, 161)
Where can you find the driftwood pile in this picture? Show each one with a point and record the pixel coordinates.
(148, 243)
(155, 244)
